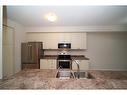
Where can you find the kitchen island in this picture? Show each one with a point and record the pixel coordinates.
(46, 79)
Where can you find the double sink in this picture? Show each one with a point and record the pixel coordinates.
(69, 74)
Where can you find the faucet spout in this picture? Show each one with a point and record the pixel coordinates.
(78, 68)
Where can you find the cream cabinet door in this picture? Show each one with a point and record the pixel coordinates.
(51, 41)
(78, 40)
(83, 65)
(47, 64)
(52, 64)
(67, 37)
(83, 41)
(64, 37)
(44, 64)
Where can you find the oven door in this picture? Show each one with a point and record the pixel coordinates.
(64, 64)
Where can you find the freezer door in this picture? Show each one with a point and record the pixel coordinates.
(24, 53)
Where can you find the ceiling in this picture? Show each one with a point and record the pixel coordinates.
(69, 15)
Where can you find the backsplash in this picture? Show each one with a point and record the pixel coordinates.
(69, 52)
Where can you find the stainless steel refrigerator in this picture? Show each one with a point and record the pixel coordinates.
(31, 52)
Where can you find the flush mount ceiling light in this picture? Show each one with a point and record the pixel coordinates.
(51, 17)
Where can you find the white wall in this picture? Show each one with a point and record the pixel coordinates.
(19, 37)
(107, 51)
(0, 42)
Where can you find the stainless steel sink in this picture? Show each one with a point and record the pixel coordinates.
(68, 74)
(64, 74)
(83, 75)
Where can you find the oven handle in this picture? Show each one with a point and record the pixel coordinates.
(65, 60)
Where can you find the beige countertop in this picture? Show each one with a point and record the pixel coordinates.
(45, 79)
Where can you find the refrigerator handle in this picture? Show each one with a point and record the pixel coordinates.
(30, 52)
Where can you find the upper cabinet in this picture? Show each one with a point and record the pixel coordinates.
(78, 40)
(51, 40)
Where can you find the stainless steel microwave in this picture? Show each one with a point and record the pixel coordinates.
(64, 45)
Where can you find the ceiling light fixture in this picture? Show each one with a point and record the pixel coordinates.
(51, 17)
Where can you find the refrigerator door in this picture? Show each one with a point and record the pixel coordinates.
(31, 53)
(24, 53)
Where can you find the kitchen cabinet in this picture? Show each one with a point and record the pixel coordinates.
(64, 37)
(78, 41)
(83, 64)
(48, 64)
(51, 40)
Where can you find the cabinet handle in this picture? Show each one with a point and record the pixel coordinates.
(31, 52)
(28, 53)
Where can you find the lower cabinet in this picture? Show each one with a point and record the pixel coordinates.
(83, 65)
(52, 64)
(47, 63)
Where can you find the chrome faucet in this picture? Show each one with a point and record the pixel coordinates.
(78, 68)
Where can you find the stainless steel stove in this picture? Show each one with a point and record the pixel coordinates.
(64, 58)
(64, 62)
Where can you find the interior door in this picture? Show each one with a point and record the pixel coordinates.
(8, 51)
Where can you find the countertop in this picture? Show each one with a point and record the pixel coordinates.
(76, 57)
(45, 79)
(49, 57)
